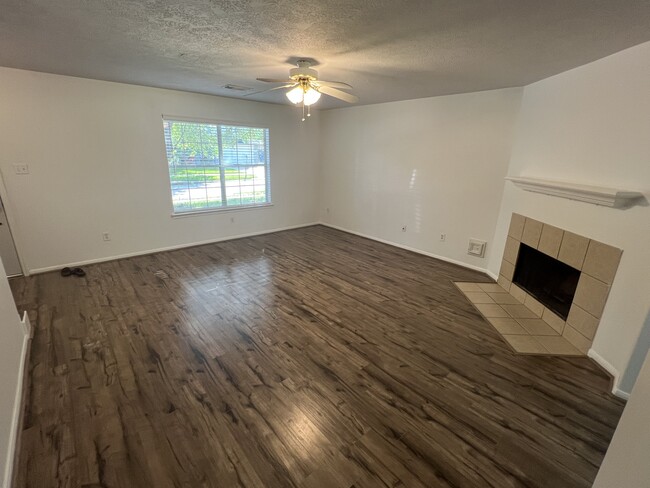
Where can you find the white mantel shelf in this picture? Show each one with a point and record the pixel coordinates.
(597, 195)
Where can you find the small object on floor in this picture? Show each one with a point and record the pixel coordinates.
(66, 271)
(78, 272)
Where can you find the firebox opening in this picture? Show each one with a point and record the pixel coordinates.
(550, 281)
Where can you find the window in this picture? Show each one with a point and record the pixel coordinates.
(216, 166)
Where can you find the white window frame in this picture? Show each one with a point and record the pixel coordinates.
(225, 207)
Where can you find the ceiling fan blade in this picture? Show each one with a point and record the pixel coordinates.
(341, 95)
(273, 80)
(269, 89)
(333, 84)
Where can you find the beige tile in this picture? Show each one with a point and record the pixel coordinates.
(504, 282)
(532, 232)
(558, 345)
(511, 250)
(550, 240)
(516, 226)
(503, 298)
(536, 307)
(576, 339)
(491, 287)
(467, 286)
(507, 270)
(591, 295)
(478, 297)
(491, 310)
(537, 327)
(582, 321)
(554, 320)
(518, 293)
(573, 249)
(601, 261)
(519, 311)
(525, 344)
(507, 326)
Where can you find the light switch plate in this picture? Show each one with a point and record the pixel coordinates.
(476, 248)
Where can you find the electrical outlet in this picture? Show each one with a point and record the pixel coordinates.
(403, 228)
(232, 220)
(327, 210)
(21, 169)
(443, 237)
(106, 236)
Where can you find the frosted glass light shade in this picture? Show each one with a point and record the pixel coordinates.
(296, 94)
(311, 96)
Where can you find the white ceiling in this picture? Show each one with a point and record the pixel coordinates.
(388, 50)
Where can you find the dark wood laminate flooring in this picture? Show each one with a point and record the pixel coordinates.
(306, 358)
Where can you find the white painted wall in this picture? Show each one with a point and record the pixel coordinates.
(626, 462)
(97, 159)
(435, 165)
(592, 125)
(12, 345)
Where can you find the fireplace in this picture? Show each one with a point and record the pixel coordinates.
(550, 281)
(551, 290)
(562, 277)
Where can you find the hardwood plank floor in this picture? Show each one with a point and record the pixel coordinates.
(306, 358)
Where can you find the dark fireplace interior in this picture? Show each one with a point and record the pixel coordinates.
(550, 281)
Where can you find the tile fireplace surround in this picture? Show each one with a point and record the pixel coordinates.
(526, 324)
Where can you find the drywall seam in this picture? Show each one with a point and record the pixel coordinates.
(168, 248)
(412, 249)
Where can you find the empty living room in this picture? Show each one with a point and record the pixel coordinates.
(341, 244)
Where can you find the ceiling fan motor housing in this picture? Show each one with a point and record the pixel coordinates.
(303, 71)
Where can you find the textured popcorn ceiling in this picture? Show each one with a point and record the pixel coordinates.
(388, 50)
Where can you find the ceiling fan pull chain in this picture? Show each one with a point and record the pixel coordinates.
(303, 111)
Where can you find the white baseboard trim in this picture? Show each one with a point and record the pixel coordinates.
(16, 416)
(28, 330)
(412, 249)
(492, 275)
(167, 248)
(607, 366)
(620, 393)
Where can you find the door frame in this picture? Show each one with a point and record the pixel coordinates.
(8, 208)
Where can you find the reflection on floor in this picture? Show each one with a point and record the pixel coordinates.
(309, 358)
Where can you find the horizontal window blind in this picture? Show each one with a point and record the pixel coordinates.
(216, 166)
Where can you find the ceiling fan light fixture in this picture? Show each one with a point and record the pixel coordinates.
(296, 94)
(311, 96)
(305, 89)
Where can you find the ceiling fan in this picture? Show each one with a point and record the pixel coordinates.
(304, 87)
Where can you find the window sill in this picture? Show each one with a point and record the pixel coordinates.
(194, 213)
